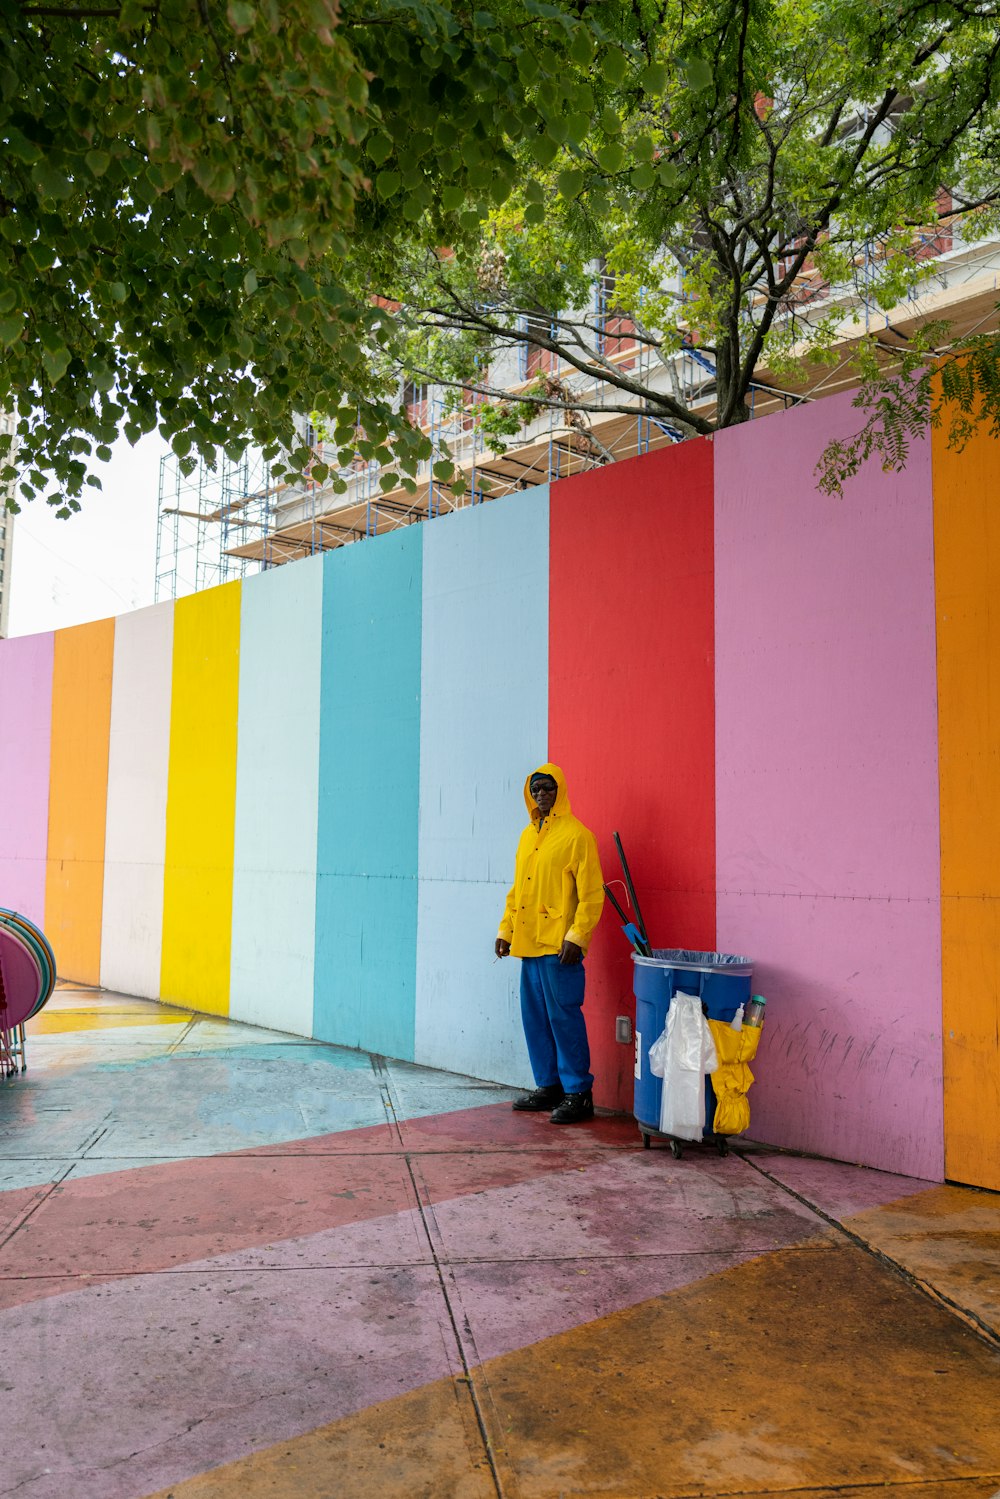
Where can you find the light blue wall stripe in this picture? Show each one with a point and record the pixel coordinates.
(366, 898)
(484, 726)
(277, 792)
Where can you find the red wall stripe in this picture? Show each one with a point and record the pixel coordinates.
(632, 710)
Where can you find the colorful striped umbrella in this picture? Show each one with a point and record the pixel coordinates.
(27, 969)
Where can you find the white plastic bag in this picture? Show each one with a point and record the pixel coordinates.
(682, 1055)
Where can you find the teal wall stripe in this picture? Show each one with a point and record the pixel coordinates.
(366, 892)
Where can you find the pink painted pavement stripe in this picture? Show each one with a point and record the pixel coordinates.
(827, 795)
(123, 1389)
(182, 1371)
(834, 1189)
(25, 738)
(178, 1213)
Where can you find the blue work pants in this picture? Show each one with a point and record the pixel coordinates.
(554, 1027)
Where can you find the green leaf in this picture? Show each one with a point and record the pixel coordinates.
(51, 183)
(527, 66)
(240, 15)
(18, 146)
(55, 361)
(611, 157)
(699, 74)
(117, 291)
(653, 79)
(97, 162)
(11, 328)
(667, 173)
(535, 213)
(101, 375)
(579, 128)
(643, 177)
(614, 66)
(543, 149)
(250, 282)
(379, 148)
(570, 182)
(581, 48)
(387, 184)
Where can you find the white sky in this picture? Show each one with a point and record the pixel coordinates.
(100, 562)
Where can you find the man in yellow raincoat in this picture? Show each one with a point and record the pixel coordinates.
(552, 909)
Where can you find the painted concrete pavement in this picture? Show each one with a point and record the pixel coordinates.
(233, 1263)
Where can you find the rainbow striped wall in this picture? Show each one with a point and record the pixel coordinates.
(295, 801)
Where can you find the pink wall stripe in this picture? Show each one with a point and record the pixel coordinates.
(25, 730)
(827, 794)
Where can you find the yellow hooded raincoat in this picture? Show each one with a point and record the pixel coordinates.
(558, 889)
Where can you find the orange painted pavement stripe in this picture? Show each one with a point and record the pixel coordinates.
(78, 794)
(424, 1445)
(967, 571)
(949, 1238)
(796, 1371)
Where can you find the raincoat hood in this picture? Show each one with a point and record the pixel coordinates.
(560, 807)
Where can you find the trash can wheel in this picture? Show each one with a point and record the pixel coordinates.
(645, 1139)
(676, 1149)
(723, 1145)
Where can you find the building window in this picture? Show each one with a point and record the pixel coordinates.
(535, 360)
(415, 400)
(614, 327)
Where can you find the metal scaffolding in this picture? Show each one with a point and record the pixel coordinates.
(203, 516)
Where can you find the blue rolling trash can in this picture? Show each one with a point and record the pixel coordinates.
(721, 979)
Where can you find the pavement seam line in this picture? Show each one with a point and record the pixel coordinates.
(34, 1205)
(183, 1035)
(488, 1445)
(975, 1323)
(383, 1078)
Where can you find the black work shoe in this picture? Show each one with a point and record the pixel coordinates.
(574, 1109)
(540, 1101)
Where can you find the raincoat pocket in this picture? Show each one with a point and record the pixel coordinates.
(551, 925)
(733, 1079)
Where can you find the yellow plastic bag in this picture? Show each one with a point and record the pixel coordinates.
(732, 1078)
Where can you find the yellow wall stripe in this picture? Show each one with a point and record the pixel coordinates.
(201, 801)
(967, 566)
(78, 797)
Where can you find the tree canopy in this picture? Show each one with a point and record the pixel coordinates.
(215, 214)
(183, 184)
(731, 183)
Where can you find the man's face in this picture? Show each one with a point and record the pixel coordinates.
(543, 793)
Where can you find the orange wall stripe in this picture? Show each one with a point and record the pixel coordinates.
(967, 568)
(78, 796)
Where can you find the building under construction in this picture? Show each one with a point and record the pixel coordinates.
(223, 523)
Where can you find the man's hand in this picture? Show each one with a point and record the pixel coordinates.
(502, 948)
(570, 953)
